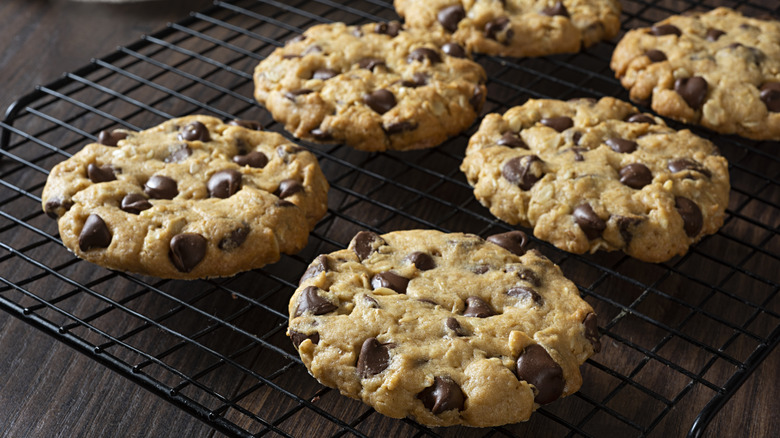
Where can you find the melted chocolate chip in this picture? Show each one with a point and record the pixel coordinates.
(319, 265)
(513, 241)
(298, 338)
(450, 16)
(512, 139)
(589, 222)
(371, 63)
(494, 27)
(315, 48)
(477, 98)
(714, 34)
(194, 131)
(656, 55)
(625, 224)
(421, 54)
(693, 90)
(683, 164)
(187, 250)
(770, 95)
(421, 260)
(529, 276)
(381, 100)
(224, 184)
(477, 308)
(665, 29)
(537, 367)
(557, 9)
(53, 206)
(288, 188)
(374, 358)
(390, 280)
(311, 301)
(399, 127)
(291, 95)
(559, 124)
(523, 171)
(453, 324)
(254, 159)
(100, 174)
(640, 118)
(246, 124)
(454, 49)
(161, 187)
(234, 239)
(481, 269)
(179, 154)
(111, 138)
(525, 293)
(364, 244)
(95, 234)
(592, 331)
(371, 302)
(443, 395)
(691, 215)
(321, 135)
(636, 175)
(390, 28)
(135, 203)
(622, 145)
(324, 74)
(418, 80)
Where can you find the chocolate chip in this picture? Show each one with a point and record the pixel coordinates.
(390, 28)
(311, 301)
(423, 53)
(770, 95)
(288, 188)
(246, 124)
(525, 293)
(529, 276)
(135, 203)
(95, 234)
(494, 27)
(365, 243)
(537, 367)
(512, 139)
(291, 95)
(481, 269)
(321, 135)
(371, 63)
(640, 118)
(559, 124)
(622, 145)
(161, 187)
(454, 49)
(477, 307)
(179, 154)
(714, 34)
(450, 16)
(254, 159)
(693, 90)
(683, 164)
(374, 358)
(53, 206)
(187, 250)
(656, 55)
(578, 153)
(453, 324)
(319, 265)
(523, 171)
(284, 204)
(324, 74)
(691, 215)
(399, 127)
(224, 184)
(665, 29)
(298, 338)
(575, 138)
(381, 100)
(592, 331)
(100, 174)
(589, 222)
(315, 48)
(194, 131)
(477, 98)
(443, 395)
(421, 260)
(557, 9)
(371, 302)
(624, 226)
(418, 80)
(390, 280)
(636, 175)
(234, 239)
(111, 138)
(513, 241)
(285, 150)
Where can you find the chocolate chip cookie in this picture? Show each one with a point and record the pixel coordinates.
(374, 87)
(718, 69)
(443, 328)
(190, 198)
(592, 175)
(516, 28)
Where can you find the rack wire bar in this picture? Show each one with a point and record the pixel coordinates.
(680, 337)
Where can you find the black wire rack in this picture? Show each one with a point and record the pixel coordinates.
(679, 337)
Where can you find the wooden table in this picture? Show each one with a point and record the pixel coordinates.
(47, 389)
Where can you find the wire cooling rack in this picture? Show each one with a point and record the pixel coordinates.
(679, 337)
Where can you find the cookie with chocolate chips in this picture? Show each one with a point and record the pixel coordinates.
(718, 69)
(190, 198)
(513, 28)
(374, 87)
(443, 328)
(591, 175)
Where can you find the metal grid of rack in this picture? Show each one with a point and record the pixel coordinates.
(680, 337)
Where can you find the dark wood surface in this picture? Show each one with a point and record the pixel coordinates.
(47, 389)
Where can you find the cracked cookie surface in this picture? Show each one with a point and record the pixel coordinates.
(190, 198)
(718, 69)
(592, 175)
(444, 328)
(374, 87)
